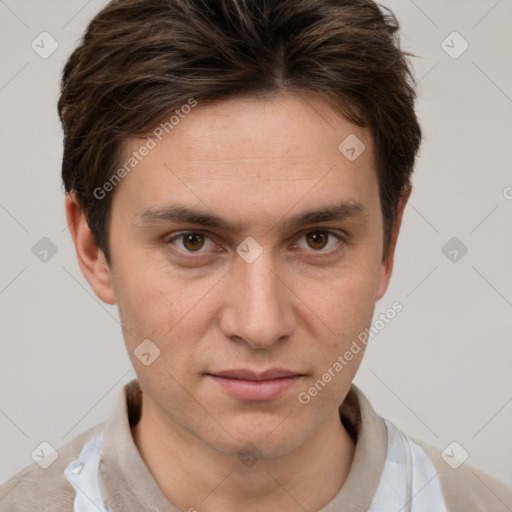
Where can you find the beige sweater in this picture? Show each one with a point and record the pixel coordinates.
(127, 485)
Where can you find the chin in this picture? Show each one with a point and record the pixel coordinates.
(248, 441)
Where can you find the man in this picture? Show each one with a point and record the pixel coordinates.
(236, 174)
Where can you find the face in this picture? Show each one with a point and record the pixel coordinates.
(249, 283)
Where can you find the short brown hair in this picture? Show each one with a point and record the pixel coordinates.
(141, 59)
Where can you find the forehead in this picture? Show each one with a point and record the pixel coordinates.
(255, 148)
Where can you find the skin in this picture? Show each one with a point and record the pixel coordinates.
(257, 162)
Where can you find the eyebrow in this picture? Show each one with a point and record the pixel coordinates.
(184, 214)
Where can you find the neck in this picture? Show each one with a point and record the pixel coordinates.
(307, 478)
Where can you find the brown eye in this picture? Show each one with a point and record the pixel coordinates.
(317, 239)
(321, 242)
(193, 241)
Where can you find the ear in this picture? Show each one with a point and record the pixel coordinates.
(387, 260)
(90, 257)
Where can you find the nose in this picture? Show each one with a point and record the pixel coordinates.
(258, 304)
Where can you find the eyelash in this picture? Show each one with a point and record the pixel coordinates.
(320, 253)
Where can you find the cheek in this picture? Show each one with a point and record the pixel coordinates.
(346, 306)
(155, 309)
(149, 304)
(348, 309)
(347, 301)
(163, 305)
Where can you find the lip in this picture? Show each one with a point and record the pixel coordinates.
(247, 384)
(246, 374)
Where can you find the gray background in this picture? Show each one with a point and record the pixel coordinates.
(440, 370)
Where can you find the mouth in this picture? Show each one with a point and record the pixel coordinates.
(247, 384)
